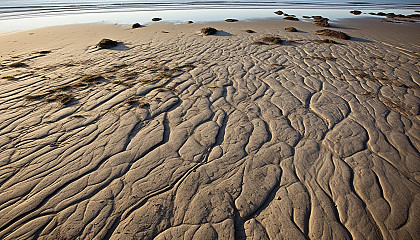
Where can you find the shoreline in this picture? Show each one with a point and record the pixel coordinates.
(171, 134)
(359, 25)
(175, 16)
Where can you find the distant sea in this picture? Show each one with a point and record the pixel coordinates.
(9, 8)
(14, 14)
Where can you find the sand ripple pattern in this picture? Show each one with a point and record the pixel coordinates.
(214, 138)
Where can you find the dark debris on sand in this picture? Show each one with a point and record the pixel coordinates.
(291, 29)
(393, 15)
(62, 98)
(44, 52)
(259, 43)
(208, 31)
(107, 43)
(61, 93)
(136, 25)
(271, 39)
(249, 31)
(378, 14)
(332, 33)
(91, 79)
(356, 12)
(10, 78)
(156, 19)
(34, 96)
(231, 20)
(291, 18)
(17, 65)
(279, 12)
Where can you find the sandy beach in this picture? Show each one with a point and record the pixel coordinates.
(175, 135)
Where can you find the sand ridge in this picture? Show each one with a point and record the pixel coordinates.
(174, 135)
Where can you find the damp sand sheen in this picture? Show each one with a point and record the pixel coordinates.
(174, 134)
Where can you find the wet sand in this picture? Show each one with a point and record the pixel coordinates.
(175, 135)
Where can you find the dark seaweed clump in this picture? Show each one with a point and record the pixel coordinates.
(291, 18)
(320, 21)
(332, 33)
(208, 31)
(107, 43)
(270, 39)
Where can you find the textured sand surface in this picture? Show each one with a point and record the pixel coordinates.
(210, 137)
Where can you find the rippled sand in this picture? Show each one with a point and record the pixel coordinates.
(183, 136)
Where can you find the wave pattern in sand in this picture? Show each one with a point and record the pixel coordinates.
(211, 137)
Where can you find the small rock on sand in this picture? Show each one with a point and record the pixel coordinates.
(107, 43)
(279, 12)
(44, 52)
(390, 15)
(156, 19)
(290, 18)
(189, 22)
(249, 31)
(208, 31)
(291, 29)
(356, 12)
(393, 15)
(136, 25)
(231, 20)
(332, 33)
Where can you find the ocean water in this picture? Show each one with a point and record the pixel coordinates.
(370, 3)
(26, 14)
(9, 8)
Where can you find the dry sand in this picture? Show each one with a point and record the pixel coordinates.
(186, 136)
